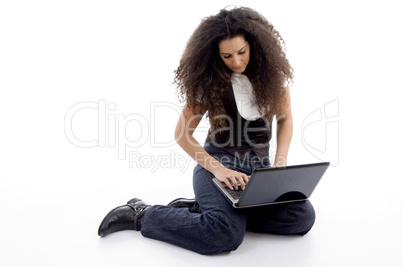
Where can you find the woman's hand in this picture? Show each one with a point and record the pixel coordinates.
(231, 178)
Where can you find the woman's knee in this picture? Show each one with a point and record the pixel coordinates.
(305, 217)
(227, 236)
(223, 242)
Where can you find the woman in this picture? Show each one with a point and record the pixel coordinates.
(235, 71)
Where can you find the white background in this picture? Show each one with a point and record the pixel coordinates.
(58, 55)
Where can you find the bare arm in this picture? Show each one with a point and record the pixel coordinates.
(185, 128)
(284, 133)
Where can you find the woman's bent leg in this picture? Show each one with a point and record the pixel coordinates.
(218, 228)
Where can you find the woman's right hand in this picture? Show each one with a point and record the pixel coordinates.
(231, 178)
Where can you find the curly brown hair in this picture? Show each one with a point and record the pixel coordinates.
(202, 76)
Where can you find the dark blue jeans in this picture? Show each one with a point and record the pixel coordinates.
(220, 227)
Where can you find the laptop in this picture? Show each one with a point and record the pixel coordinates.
(268, 186)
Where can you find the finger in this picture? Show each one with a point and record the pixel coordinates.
(241, 182)
(245, 181)
(234, 182)
(228, 184)
(246, 178)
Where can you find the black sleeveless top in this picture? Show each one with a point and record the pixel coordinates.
(240, 136)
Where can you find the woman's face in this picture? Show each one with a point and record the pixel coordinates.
(235, 53)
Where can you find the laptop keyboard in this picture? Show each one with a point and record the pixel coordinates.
(235, 193)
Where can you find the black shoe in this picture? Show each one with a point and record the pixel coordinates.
(126, 217)
(191, 204)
